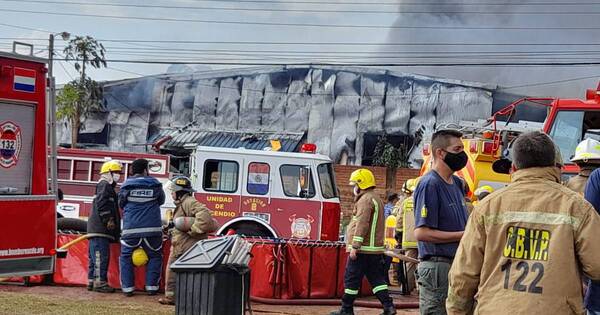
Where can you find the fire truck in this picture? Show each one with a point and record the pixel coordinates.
(269, 193)
(78, 173)
(28, 224)
(567, 121)
(253, 192)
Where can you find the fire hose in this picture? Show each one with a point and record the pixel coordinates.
(332, 302)
(62, 251)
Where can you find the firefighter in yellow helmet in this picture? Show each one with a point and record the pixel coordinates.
(104, 222)
(365, 243)
(587, 157)
(482, 192)
(407, 238)
(192, 223)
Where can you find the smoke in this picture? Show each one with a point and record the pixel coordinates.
(511, 77)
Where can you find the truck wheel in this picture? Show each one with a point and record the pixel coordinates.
(251, 229)
(71, 224)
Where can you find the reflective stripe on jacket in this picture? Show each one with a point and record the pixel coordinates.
(367, 228)
(523, 249)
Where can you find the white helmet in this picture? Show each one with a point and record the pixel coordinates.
(588, 149)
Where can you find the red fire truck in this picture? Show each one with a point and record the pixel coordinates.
(78, 173)
(28, 224)
(269, 193)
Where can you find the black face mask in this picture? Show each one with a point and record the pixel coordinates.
(456, 161)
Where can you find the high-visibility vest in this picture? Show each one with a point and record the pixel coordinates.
(390, 231)
(408, 224)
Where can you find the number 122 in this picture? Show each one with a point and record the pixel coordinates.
(524, 266)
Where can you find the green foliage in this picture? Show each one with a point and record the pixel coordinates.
(385, 154)
(76, 100)
(85, 50)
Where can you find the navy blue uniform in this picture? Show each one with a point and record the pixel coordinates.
(592, 194)
(440, 206)
(141, 198)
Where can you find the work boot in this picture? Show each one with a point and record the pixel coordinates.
(167, 300)
(343, 311)
(90, 286)
(389, 311)
(152, 292)
(128, 294)
(103, 288)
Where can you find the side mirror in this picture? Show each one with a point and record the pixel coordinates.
(304, 182)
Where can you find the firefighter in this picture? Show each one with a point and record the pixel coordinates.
(365, 243)
(526, 246)
(587, 157)
(440, 218)
(482, 192)
(141, 197)
(185, 236)
(408, 241)
(105, 222)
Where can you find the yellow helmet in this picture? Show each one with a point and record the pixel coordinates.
(111, 166)
(139, 257)
(586, 150)
(363, 178)
(410, 185)
(483, 191)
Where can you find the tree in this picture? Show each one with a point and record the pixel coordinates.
(386, 154)
(80, 97)
(74, 103)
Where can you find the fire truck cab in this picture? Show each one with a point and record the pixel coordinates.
(268, 193)
(28, 224)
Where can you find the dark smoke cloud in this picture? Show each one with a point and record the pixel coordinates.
(503, 76)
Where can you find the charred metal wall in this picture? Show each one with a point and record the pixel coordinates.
(336, 106)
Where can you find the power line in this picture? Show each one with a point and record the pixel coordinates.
(549, 82)
(455, 64)
(271, 9)
(395, 3)
(440, 27)
(130, 41)
(26, 28)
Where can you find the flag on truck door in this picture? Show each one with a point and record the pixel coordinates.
(24, 80)
(258, 178)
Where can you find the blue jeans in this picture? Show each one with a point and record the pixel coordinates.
(153, 248)
(99, 256)
(593, 312)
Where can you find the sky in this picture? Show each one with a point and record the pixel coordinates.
(376, 33)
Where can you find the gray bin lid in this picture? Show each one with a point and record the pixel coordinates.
(205, 254)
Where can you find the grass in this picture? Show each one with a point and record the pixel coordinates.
(29, 304)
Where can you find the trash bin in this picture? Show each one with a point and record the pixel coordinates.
(213, 278)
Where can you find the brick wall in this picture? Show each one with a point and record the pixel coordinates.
(342, 174)
(403, 175)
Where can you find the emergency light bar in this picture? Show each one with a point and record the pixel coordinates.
(308, 148)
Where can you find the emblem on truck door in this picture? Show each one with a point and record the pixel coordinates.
(10, 144)
(301, 226)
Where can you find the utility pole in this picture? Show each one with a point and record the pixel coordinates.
(52, 104)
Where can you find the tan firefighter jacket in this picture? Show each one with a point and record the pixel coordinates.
(523, 248)
(366, 231)
(577, 183)
(188, 206)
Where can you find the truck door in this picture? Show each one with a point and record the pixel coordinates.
(297, 213)
(219, 187)
(16, 148)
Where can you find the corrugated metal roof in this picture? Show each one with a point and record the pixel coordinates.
(229, 139)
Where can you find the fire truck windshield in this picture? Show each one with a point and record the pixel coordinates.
(327, 181)
(566, 131)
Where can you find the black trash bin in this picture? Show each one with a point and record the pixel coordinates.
(206, 286)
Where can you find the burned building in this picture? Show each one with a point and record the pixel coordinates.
(340, 109)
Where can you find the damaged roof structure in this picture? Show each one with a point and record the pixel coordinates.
(334, 107)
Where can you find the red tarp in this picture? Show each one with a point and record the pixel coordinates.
(285, 270)
(73, 270)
